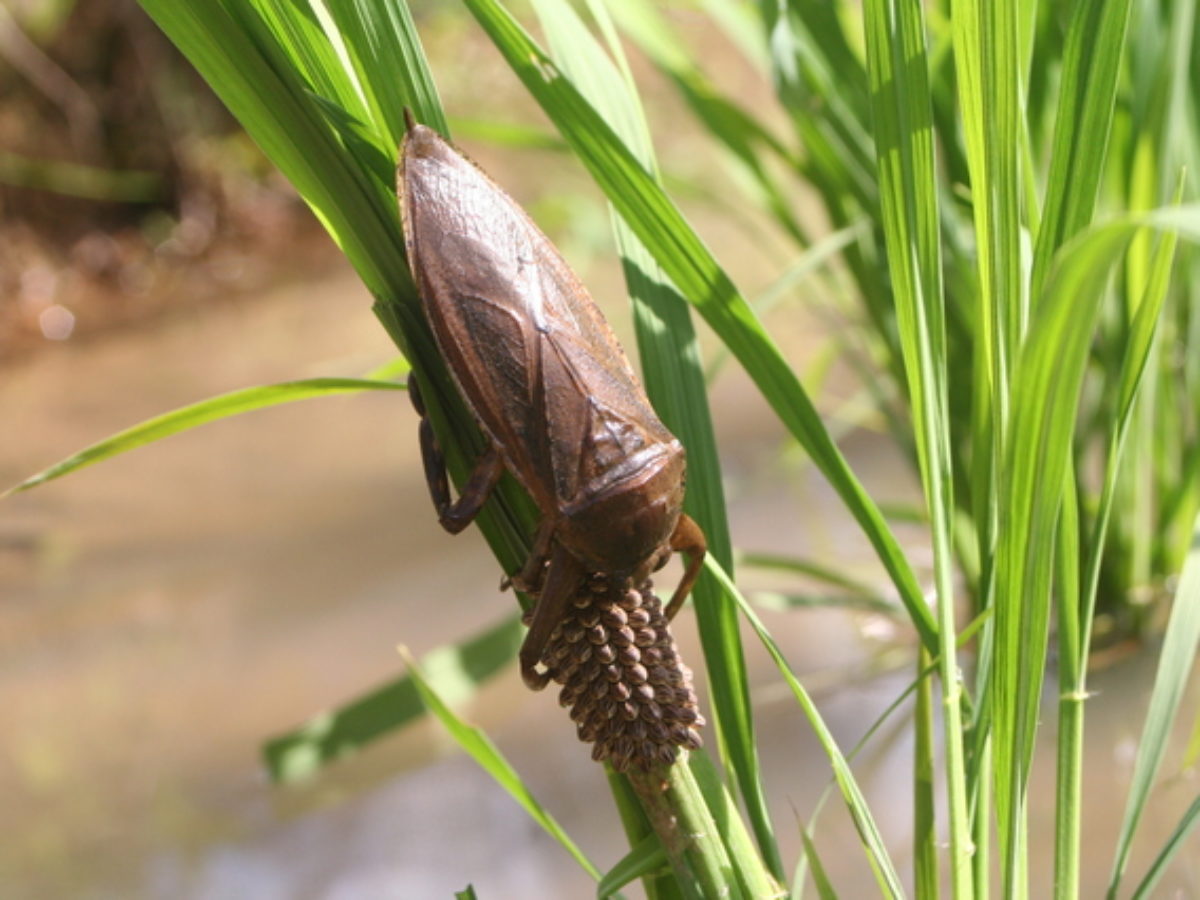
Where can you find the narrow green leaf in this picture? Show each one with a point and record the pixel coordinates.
(822, 82)
(809, 568)
(249, 69)
(220, 407)
(1192, 754)
(1077, 612)
(860, 812)
(683, 818)
(456, 671)
(820, 254)
(820, 878)
(392, 370)
(1175, 662)
(1086, 100)
(78, 180)
(1169, 851)
(645, 859)
(731, 124)
(923, 675)
(781, 602)
(516, 135)
(987, 57)
(898, 69)
(480, 747)
(1046, 389)
(378, 34)
(675, 382)
(303, 35)
(638, 829)
(694, 271)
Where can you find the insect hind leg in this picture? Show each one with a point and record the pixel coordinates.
(454, 516)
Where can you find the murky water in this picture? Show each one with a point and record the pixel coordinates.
(164, 612)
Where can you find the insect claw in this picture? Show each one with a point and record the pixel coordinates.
(534, 679)
(525, 583)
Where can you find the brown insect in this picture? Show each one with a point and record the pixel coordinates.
(550, 387)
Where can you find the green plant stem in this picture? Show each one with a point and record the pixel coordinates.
(925, 840)
(981, 821)
(676, 810)
(660, 885)
(1072, 693)
(756, 879)
(902, 112)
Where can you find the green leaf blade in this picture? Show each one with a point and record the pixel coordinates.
(196, 414)
(456, 671)
(693, 269)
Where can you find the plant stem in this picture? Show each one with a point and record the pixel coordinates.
(679, 814)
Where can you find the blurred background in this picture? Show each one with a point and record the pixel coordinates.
(164, 613)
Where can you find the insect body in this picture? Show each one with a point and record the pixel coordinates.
(549, 385)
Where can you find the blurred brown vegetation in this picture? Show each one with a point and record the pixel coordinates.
(125, 188)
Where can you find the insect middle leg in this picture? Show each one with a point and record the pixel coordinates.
(457, 515)
(689, 540)
(563, 578)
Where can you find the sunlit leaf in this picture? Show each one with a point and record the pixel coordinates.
(456, 671)
(480, 747)
(184, 418)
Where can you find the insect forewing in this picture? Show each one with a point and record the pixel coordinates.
(530, 350)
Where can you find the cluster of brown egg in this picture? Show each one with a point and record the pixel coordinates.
(629, 693)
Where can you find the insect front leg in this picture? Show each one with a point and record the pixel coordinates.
(563, 579)
(453, 516)
(689, 540)
(529, 579)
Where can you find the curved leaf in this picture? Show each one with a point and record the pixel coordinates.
(220, 407)
(856, 803)
(457, 670)
(685, 259)
(492, 761)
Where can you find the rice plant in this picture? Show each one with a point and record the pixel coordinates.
(1009, 185)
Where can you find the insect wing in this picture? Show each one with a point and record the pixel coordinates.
(467, 255)
(530, 350)
(602, 427)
